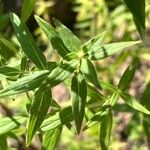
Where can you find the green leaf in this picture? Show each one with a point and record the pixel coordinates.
(51, 138)
(3, 143)
(38, 111)
(104, 51)
(122, 108)
(27, 8)
(97, 118)
(88, 69)
(9, 71)
(25, 84)
(146, 119)
(137, 8)
(9, 123)
(8, 44)
(69, 39)
(113, 99)
(54, 120)
(61, 73)
(94, 94)
(145, 97)
(78, 96)
(53, 37)
(71, 56)
(105, 131)
(52, 65)
(127, 78)
(55, 105)
(4, 18)
(24, 63)
(107, 86)
(132, 102)
(27, 42)
(146, 124)
(94, 42)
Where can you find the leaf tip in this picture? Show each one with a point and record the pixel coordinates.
(11, 15)
(78, 128)
(56, 21)
(36, 17)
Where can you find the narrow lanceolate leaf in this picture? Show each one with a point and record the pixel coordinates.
(24, 64)
(94, 42)
(104, 51)
(27, 42)
(71, 56)
(145, 96)
(27, 8)
(145, 101)
(94, 94)
(9, 123)
(51, 65)
(113, 99)
(53, 37)
(61, 73)
(69, 39)
(146, 125)
(9, 71)
(108, 86)
(132, 102)
(51, 138)
(38, 111)
(3, 143)
(8, 44)
(97, 118)
(79, 94)
(25, 84)
(88, 69)
(54, 120)
(127, 78)
(137, 8)
(105, 131)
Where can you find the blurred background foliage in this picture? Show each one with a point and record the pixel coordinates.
(86, 18)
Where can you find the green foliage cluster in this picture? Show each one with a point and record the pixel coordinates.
(35, 75)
